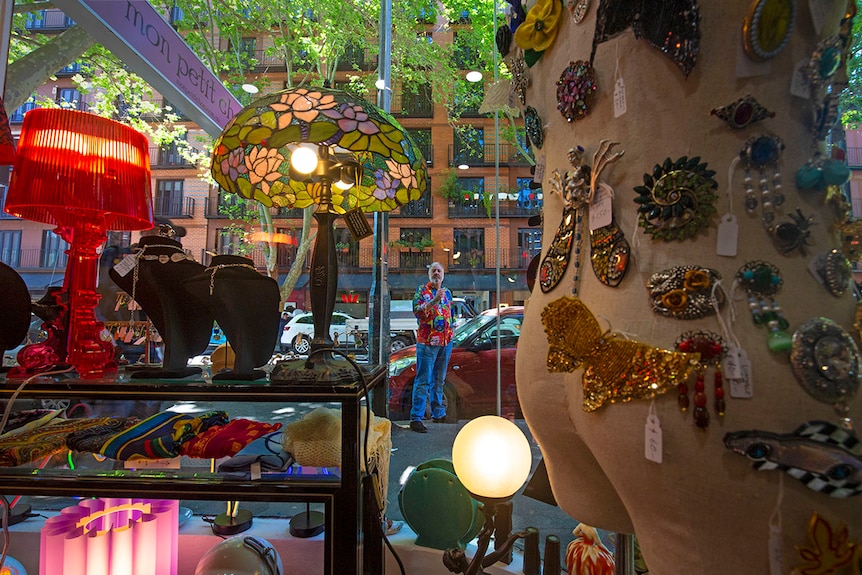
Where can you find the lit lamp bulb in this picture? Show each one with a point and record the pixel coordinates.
(303, 160)
(491, 457)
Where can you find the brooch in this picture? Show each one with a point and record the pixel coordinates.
(533, 126)
(767, 28)
(762, 153)
(712, 350)
(520, 75)
(575, 90)
(825, 361)
(823, 456)
(685, 292)
(677, 199)
(793, 235)
(616, 369)
(761, 281)
(742, 113)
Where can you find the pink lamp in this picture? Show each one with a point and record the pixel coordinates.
(86, 175)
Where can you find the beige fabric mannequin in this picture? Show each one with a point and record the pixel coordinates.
(704, 510)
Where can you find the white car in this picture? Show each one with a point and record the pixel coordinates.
(303, 324)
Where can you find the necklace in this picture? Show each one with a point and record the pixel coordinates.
(217, 267)
(177, 257)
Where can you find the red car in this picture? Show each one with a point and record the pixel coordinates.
(471, 380)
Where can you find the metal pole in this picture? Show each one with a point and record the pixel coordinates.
(378, 308)
(624, 554)
(497, 212)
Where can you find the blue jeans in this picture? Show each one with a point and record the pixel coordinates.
(431, 364)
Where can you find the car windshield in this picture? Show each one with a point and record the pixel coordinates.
(465, 330)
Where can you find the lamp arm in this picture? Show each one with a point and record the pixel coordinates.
(501, 552)
(456, 560)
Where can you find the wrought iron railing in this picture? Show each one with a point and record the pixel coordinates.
(174, 208)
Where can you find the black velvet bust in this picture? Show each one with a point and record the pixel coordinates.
(14, 309)
(245, 304)
(183, 324)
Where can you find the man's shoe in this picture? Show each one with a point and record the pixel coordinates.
(440, 419)
(418, 427)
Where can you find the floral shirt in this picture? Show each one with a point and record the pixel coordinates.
(435, 321)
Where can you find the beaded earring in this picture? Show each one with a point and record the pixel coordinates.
(762, 153)
(712, 350)
(761, 281)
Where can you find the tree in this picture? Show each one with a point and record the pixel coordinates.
(306, 38)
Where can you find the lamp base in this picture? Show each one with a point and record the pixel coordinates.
(307, 524)
(224, 524)
(322, 366)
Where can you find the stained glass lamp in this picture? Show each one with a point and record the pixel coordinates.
(86, 175)
(304, 146)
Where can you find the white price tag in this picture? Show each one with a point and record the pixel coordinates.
(602, 207)
(254, 471)
(125, 265)
(619, 98)
(727, 240)
(736, 363)
(652, 436)
(776, 558)
(816, 266)
(163, 463)
(539, 173)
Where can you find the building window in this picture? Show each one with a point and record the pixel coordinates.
(169, 155)
(416, 101)
(119, 239)
(529, 244)
(169, 198)
(228, 241)
(286, 244)
(18, 114)
(70, 98)
(53, 254)
(422, 138)
(528, 198)
(469, 248)
(468, 147)
(472, 191)
(416, 237)
(10, 247)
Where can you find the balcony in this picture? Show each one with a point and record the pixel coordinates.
(167, 158)
(510, 259)
(174, 208)
(17, 116)
(508, 209)
(417, 105)
(48, 21)
(355, 58)
(421, 208)
(34, 259)
(510, 156)
(215, 209)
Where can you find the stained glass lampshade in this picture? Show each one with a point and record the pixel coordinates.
(364, 160)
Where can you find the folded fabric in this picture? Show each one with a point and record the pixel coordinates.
(92, 439)
(265, 450)
(29, 419)
(226, 440)
(160, 436)
(42, 441)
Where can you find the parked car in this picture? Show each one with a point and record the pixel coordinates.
(470, 389)
(303, 324)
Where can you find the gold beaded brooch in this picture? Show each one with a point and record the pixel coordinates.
(616, 370)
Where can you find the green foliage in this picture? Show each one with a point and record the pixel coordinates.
(449, 188)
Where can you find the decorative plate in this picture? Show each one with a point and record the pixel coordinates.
(767, 27)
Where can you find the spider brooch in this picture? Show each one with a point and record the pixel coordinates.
(793, 235)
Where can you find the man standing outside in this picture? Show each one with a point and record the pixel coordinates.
(432, 306)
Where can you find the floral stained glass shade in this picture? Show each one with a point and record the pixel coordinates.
(252, 156)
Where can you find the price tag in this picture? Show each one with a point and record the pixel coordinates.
(163, 463)
(737, 373)
(602, 207)
(254, 471)
(728, 236)
(539, 172)
(817, 266)
(125, 265)
(776, 558)
(619, 98)
(652, 436)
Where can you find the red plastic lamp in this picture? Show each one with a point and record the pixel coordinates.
(86, 175)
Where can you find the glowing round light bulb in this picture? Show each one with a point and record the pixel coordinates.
(491, 457)
(303, 160)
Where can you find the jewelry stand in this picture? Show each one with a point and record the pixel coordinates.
(156, 283)
(245, 305)
(307, 523)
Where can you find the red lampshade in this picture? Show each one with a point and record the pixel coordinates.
(75, 165)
